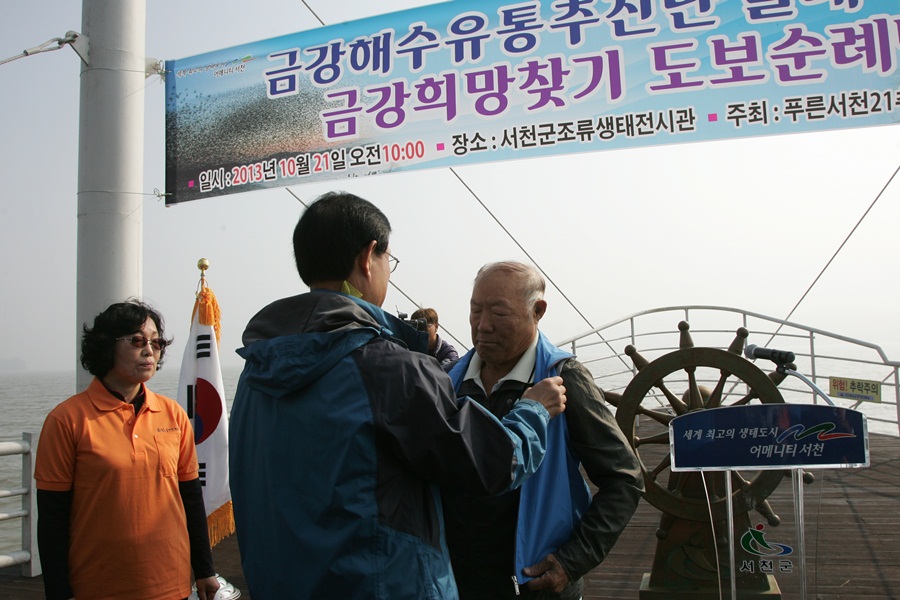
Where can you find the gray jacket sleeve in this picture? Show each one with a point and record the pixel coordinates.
(610, 464)
(458, 445)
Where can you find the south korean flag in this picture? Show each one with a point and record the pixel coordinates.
(202, 395)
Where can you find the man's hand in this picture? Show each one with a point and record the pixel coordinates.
(548, 575)
(550, 392)
(207, 587)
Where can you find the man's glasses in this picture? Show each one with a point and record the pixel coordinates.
(393, 261)
(139, 341)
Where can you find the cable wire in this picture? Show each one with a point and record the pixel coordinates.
(538, 267)
(59, 41)
(836, 252)
(522, 248)
(313, 13)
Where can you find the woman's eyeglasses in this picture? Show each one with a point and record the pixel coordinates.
(139, 341)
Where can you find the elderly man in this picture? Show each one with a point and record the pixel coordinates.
(538, 541)
(340, 434)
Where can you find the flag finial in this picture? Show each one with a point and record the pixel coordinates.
(203, 265)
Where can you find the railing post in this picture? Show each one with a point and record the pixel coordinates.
(32, 568)
(633, 339)
(897, 395)
(812, 363)
(27, 554)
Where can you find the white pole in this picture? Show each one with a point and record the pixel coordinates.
(110, 161)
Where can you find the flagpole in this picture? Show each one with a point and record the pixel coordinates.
(203, 265)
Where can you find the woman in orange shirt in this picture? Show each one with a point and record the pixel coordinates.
(120, 507)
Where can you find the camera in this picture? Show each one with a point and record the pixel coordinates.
(417, 324)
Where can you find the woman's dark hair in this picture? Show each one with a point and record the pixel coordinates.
(98, 344)
(331, 233)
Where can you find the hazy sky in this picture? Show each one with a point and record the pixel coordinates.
(745, 224)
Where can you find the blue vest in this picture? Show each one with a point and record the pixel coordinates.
(552, 500)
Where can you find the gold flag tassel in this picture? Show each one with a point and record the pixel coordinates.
(220, 524)
(206, 303)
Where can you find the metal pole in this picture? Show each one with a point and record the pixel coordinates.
(731, 554)
(797, 485)
(110, 161)
(32, 568)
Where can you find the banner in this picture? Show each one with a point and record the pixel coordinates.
(485, 80)
(202, 395)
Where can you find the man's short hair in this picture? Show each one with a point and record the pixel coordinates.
(429, 314)
(332, 231)
(532, 282)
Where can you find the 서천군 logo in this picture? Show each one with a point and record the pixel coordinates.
(754, 542)
(771, 558)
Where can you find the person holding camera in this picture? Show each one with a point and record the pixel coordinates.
(443, 351)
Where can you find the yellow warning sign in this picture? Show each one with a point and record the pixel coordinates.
(854, 389)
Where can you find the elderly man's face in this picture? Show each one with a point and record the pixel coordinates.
(503, 326)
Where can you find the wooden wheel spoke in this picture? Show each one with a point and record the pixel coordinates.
(659, 438)
(765, 509)
(743, 484)
(660, 417)
(695, 399)
(664, 464)
(776, 377)
(675, 402)
(745, 400)
(715, 399)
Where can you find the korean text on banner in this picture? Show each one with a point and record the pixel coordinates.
(474, 81)
(202, 394)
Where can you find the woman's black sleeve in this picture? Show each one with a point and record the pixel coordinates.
(54, 509)
(198, 533)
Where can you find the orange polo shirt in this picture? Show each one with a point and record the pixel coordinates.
(128, 533)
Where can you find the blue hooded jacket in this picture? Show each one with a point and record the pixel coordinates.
(339, 438)
(553, 500)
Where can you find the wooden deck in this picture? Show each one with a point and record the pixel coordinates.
(852, 525)
(852, 540)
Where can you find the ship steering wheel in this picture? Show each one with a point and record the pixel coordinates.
(738, 382)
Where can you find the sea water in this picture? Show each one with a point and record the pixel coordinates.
(25, 400)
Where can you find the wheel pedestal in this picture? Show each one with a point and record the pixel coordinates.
(684, 567)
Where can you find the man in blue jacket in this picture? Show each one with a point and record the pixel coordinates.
(538, 541)
(340, 434)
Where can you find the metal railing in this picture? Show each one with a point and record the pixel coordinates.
(27, 555)
(820, 355)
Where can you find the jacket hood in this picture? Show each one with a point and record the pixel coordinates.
(294, 341)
